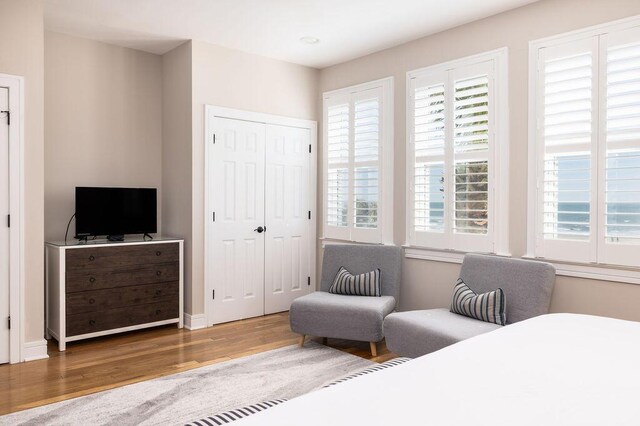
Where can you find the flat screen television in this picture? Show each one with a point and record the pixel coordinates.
(115, 212)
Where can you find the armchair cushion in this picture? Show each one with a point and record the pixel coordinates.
(339, 316)
(416, 333)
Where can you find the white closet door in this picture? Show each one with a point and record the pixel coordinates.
(4, 229)
(237, 191)
(288, 243)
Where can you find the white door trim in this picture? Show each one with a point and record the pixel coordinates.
(236, 114)
(16, 210)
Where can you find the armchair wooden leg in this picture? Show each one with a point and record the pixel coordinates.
(374, 348)
(302, 340)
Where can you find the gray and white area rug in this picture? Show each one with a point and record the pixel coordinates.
(179, 398)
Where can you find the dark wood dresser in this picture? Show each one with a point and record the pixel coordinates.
(101, 288)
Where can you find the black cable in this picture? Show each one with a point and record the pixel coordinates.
(67, 231)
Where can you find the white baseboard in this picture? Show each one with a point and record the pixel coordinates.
(32, 351)
(194, 322)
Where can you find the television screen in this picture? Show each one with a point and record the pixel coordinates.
(115, 211)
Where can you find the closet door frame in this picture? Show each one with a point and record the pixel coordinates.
(211, 112)
(19, 349)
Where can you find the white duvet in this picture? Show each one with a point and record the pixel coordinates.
(558, 369)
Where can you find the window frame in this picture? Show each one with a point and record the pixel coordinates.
(383, 233)
(593, 252)
(498, 153)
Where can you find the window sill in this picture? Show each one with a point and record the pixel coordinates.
(593, 271)
(588, 271)
(448, 256)
(325, 241)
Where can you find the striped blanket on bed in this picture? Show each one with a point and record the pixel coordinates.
(241, 413)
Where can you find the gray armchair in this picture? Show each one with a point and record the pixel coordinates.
(527, 286)
(359, 318)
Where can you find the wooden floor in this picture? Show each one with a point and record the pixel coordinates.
(108, 362)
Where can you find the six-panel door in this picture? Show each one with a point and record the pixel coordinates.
(287, 240)
(237, 167)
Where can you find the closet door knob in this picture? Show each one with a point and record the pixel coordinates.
(260, 229)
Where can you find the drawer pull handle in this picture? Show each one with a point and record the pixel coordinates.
(92, 301)
(158, 273)
(91, 258)
(158, 312)
(158, 253)
(92, 280)
(158, 292)
(92, 322)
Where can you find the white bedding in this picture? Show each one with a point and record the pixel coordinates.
(559, 369)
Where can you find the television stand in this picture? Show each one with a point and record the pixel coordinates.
(115, 237)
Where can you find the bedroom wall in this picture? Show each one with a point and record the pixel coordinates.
(176, 151)
(22, 53)
(428, 284)
(103, 122)
(233, 79)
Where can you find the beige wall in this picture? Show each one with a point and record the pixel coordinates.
(22, 53)
(103, 122)
(176, 151)
(428, 284)
(233, 79)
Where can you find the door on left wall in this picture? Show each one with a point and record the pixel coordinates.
(4, 229)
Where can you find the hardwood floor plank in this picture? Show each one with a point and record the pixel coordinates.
(108, 362)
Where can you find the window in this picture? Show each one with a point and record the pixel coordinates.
(457, 151)
(358, 162)
(585, 146)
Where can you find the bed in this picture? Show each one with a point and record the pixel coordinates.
(558, 369)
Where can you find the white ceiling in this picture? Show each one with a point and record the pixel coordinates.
(347, 29)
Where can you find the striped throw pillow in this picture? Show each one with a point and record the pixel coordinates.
(367, 284)
(488, 307)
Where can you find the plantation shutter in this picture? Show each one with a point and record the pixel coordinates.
(429, 209)
(366, 165)
(451, 148)
(473, 143)
(619, 237)
(337, 119)
(352, 164)
(567, 151)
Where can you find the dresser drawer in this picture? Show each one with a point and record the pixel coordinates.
(92, 322)
(101, 300)
(85, 280)
(113, 258)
